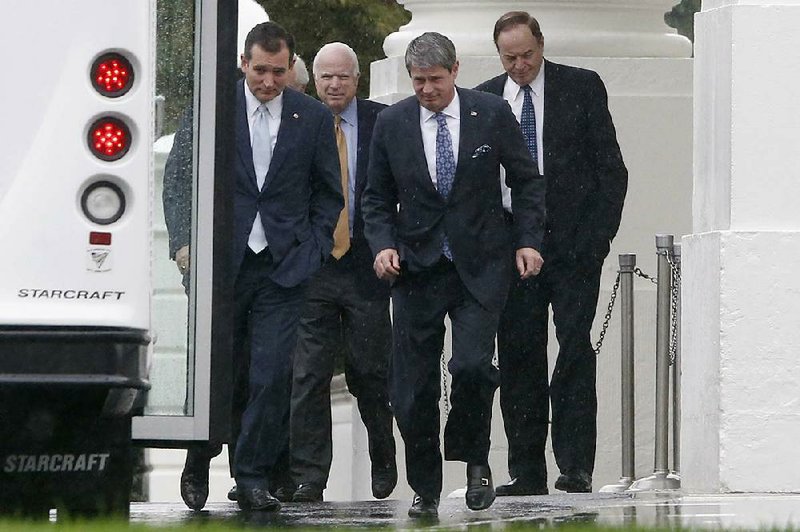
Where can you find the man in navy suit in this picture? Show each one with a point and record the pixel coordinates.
(346, 304)
(564, 114)
(437, 157)
(287, 199)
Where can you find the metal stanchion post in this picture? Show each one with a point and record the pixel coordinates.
(627, 263)
(676, 366)
(659, 479)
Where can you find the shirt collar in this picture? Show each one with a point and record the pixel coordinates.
(350, 113)
(453, 110)
(274, 106)
(511, 90)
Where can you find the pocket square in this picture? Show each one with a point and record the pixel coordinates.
(480, 150)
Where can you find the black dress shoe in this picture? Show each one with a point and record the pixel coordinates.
(284, 493)
(575, 482)
(194, 483)
(422, 508)
(480, 490)
(232, 494)
(257, 499)
(308, 492)
(384, 480)
(521, 487)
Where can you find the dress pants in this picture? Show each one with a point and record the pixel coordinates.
(525, 396)
(339, 318)
(421, 300)
(266, 318)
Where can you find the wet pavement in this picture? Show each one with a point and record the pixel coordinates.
(668, 510)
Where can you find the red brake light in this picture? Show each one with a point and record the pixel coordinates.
(109, 138)
(112, 75)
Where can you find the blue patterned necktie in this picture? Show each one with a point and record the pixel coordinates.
(528, 123)
(445, 168)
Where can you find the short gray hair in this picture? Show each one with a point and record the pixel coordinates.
(301, 72)
(429, 50)
(331, 46)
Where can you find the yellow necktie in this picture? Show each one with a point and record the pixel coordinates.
(341, 235)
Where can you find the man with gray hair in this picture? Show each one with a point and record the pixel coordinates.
(347, 307)
(446, 250)
(298, 75)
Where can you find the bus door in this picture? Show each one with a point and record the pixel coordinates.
(190, 374)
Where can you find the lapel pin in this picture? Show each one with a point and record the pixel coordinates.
(473, 113)
(295, 115)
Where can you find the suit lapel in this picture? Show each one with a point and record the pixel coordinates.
(468, 131)
(242, 134)
(550, 129)
(414, 134)
(366, 121)
(288, 133)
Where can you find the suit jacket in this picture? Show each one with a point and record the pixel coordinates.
(178, 185)
(371, 287)
(586, 177)
(472, 217)
(301, 198)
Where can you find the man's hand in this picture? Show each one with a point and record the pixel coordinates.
(182, 259)
(529, 262)
(387, 264)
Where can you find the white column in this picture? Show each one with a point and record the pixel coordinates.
(647, 69)
(741, 415)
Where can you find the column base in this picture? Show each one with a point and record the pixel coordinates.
(741, 413)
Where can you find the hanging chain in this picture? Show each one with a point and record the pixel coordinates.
(675, 273)
(643, 275)
(445, 393)
(611, 302)
(607, 319)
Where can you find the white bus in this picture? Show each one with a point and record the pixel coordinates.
(80, 234)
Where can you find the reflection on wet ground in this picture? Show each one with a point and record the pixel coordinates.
(748, 511)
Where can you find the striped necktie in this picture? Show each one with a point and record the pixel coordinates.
(341, 234)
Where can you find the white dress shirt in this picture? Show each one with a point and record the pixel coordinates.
(429, 127)
(515, 96)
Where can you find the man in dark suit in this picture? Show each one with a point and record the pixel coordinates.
(564, 114)
(287, 197)
(437, 156)
(346, 303)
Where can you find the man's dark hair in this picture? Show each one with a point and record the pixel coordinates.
(269, 36)
(516, 18)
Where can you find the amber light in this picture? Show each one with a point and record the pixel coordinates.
(99, 239)
(112, 75)
(109, 138)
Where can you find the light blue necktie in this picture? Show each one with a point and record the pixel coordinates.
(262, 145)
(528, 123)
(262, 154)
(445, 168)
